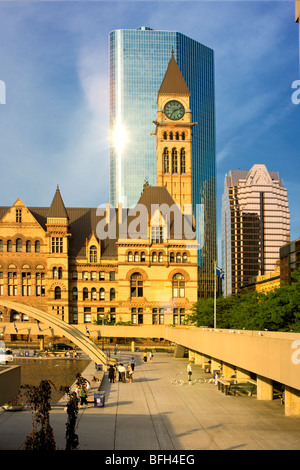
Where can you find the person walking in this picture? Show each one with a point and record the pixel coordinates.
(132, 362)
(122, 371)
(118, 369)
(128, 371)
(145, 357)
(111, 374)
(189, 372)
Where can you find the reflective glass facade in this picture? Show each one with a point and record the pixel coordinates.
(138, 62)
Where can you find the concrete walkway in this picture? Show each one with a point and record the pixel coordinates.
(161, 412)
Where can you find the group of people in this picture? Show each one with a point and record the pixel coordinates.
(146, 355)
(121, 372)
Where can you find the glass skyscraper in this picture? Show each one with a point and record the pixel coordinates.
(138, 62)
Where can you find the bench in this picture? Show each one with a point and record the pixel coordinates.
(224, 386)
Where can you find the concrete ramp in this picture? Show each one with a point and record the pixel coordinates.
(60, 328)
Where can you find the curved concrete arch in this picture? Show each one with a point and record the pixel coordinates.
(62, 328)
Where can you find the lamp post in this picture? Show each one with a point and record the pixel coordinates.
(215, 296)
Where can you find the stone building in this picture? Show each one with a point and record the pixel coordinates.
(107, 265)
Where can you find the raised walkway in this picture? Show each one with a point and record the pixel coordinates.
(161, 412)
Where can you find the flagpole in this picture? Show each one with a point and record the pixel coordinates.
(215, 297)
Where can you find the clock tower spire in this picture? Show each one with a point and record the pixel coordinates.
(174, 136)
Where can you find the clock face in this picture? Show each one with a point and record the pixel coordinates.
(174, 110)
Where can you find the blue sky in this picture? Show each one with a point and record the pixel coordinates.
(54, 63)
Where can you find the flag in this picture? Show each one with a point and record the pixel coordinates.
(220, 272)
(15, 328)
(87, 330)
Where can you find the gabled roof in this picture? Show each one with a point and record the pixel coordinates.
(159, 197)
(83, 222)
(57, 208)
(173, 81)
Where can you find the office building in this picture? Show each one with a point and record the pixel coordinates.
(255, 224)
(138, 62)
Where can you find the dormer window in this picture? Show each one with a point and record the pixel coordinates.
(157, 234)
(18, 215)
(93, 254)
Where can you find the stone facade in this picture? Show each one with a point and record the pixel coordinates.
(111, 266)
(49, 263)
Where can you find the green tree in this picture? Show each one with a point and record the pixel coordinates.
(278, 310)
(202, 313)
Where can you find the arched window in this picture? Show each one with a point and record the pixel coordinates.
(55, 273)
(57, 293)
(143, 257)
(172, 258)
(182, 160)
(74, 293)
(93, 293)
(171, 135)
(130, 257)
(28, 246)
(136, 256)
(166, 160)
(178, 285)
(165, 135)
(174, 161)
(177, 136)
(160, 257)
(9, 245)
(93, 254)
(59, 273)
(85, 293)
(37, 246)
(183, 136)
(112, 294)
(178, 258)
(1, 245)
(184, 257)
(154, 257)
(102, 294)
(136, 285)
(18, 245)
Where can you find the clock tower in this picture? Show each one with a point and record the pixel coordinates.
(174, 136)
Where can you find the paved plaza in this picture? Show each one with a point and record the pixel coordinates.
(160, 411)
